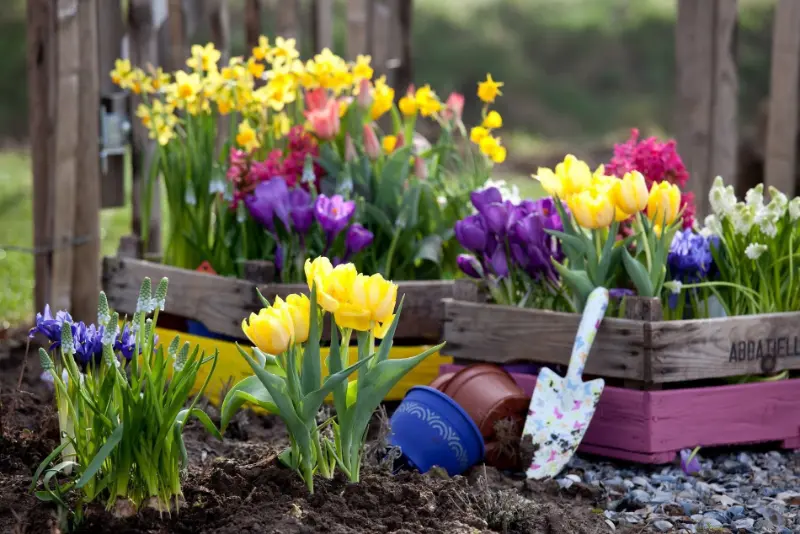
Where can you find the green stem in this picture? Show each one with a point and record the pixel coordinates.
(646, 242)
(390, 255)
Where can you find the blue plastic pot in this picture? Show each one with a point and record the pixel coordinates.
(196, 328)
(522, 368)
(431, 429)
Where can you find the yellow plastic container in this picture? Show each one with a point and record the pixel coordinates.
(231, 367)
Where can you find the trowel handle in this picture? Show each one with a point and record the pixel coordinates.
(593, 313)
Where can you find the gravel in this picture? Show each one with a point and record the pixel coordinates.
(739, 492)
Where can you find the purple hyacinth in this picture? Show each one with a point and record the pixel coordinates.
(270, 199)
(301, 209)
(333, 214)
(49, 326)
(690, 259)
(357, 239)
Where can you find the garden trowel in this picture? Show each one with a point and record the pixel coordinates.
(561, 408)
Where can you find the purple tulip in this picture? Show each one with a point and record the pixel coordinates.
(689, 461)
(358, 238)
(481, 199)
(269, 199)
(471, 233)
(301, 209)
(333, 214)
(469, 265)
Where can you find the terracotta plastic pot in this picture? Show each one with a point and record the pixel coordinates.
(488, 394)
(441, 381)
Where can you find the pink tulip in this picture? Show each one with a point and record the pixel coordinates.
(420, 168)
(371, 144)
(401, 140)
(316, 99)
(349, 149)
(364, 94)
(325, 120)
(454, 106)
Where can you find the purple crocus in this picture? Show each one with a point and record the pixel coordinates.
(481, 199)
(333, 214)
(301, 209)
(471, 233)
(357, 239)
(690, 464)
(469, 265)
(498, 262)
(618, 293)
(269, 199)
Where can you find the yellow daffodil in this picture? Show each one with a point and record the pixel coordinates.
(260, 52)
(489, 89)
(281, 125)
(408, 106)
(204, 58)
(499, 154)
(664, 203)
(631, 195)
(121, 73)
(299, 308)
(362, 69)
(493, 120)
(186, 86)
(255, 68)
(592, 208)
(427, 101)
(478, 134)
(271, 330)
(375, 294)
(246, 137)
(284, 51)
(383, 98)
(144, 114)
(389, 143)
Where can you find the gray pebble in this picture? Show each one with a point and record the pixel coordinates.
(746, 524)
(662, 526)
(708, 522)
(641, 481)
(736, 511)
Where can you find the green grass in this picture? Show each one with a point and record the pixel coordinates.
(16, 231)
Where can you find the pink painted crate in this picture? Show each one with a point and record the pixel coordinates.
(652, 426)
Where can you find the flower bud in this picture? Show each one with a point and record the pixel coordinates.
(349, 149)
(371, 145)
(364, 94)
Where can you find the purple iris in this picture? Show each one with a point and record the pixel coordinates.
(471, 233)
(270, 199)
(333, 214)
(357, 239)
(88, 342)
(49, 326)
(301, 209)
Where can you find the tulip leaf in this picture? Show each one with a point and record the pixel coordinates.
(430, 249)
(578, 281)
(97, 462)
(312, 401)
(311, 358)
(388, 339)
(249, 389)
(201, 416)
(638, 275)
(334, 366)
(265, 359)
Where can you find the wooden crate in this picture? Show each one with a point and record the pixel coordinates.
(652, 426)
(220, 303)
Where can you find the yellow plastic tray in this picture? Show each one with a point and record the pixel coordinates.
(231, 367)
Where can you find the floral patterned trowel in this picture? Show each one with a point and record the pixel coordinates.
(561, 408)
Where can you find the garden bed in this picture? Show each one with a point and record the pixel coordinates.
(237, 486)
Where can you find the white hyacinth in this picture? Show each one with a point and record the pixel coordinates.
(755, 250)
(778, 203)
(755, 197)
(722, 199)
(743, 219)
(794, 209)
(712, 226)
(509, 192)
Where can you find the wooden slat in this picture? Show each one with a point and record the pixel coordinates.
(110, 28)
(380, 35)
(357, 19)
(86, 257)
(286, 19)
(780, 160)
(221, 303)
(252, 23)
(707, 92)
(323, 25)
(66, 161)
(405, 72)
(502, 334)
(41, 66)
(177, 35)
(715, 348)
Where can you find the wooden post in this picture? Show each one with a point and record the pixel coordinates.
(42, 59)
(86, 254)
(286, 23)
(780, 159)
(323, 25)
(405, 71)
(357, 19)
(219, 20)
(649, 310)
(707, 93)
(252, 23)
(143, 51)
(177, 35)
(381, 36)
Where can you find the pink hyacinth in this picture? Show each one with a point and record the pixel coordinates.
(658, 161)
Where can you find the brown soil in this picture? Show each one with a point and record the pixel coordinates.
(236, 486)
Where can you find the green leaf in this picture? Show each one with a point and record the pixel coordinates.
(47, 461)
(202, 417)
(313, 401)
(311, 366)
(578, 281)
(263, 299)
(335, 366)
(100, 457)
(638, 275)
(388, 339)
(430, 249)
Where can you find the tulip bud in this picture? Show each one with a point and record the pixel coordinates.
(454, 106)
(364, 94)
(631, 195)
(371, 145)
(349, 149)
(663, 203)
(420, 168)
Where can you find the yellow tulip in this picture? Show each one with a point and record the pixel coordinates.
(299, 307)
(349, 315)
(663, 203)
(550, 182)
(375, 294)
(631, 195)
(620, 215)
(271, 330)
(339, 284)
(381, 329)
(575, 175)
(317, 273)
(592, 208)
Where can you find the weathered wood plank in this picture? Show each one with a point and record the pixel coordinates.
(286, 20)
(404, 75)
(380, 35)
(86, 254)
(357, 31)
(221, 303)
(252, 23)
(323, 25)
(780, 158)
(502, 334)
(725, 91)
(732, 346)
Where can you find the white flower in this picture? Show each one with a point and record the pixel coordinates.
(768, 227)
(755, 197)
(778, 203)
(722, 199)
(675, 286)
(743, 217)
(755, 250)
(441, 200)
(794, 209)
(509, 192)
(712, 226)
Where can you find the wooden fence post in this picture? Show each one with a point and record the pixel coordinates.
(357, 20)
(405, 71)
(780, 158)
(707, 93)
(252, 23)
(86, 254)
(323, 25)
(286, 19)
(177, 35)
